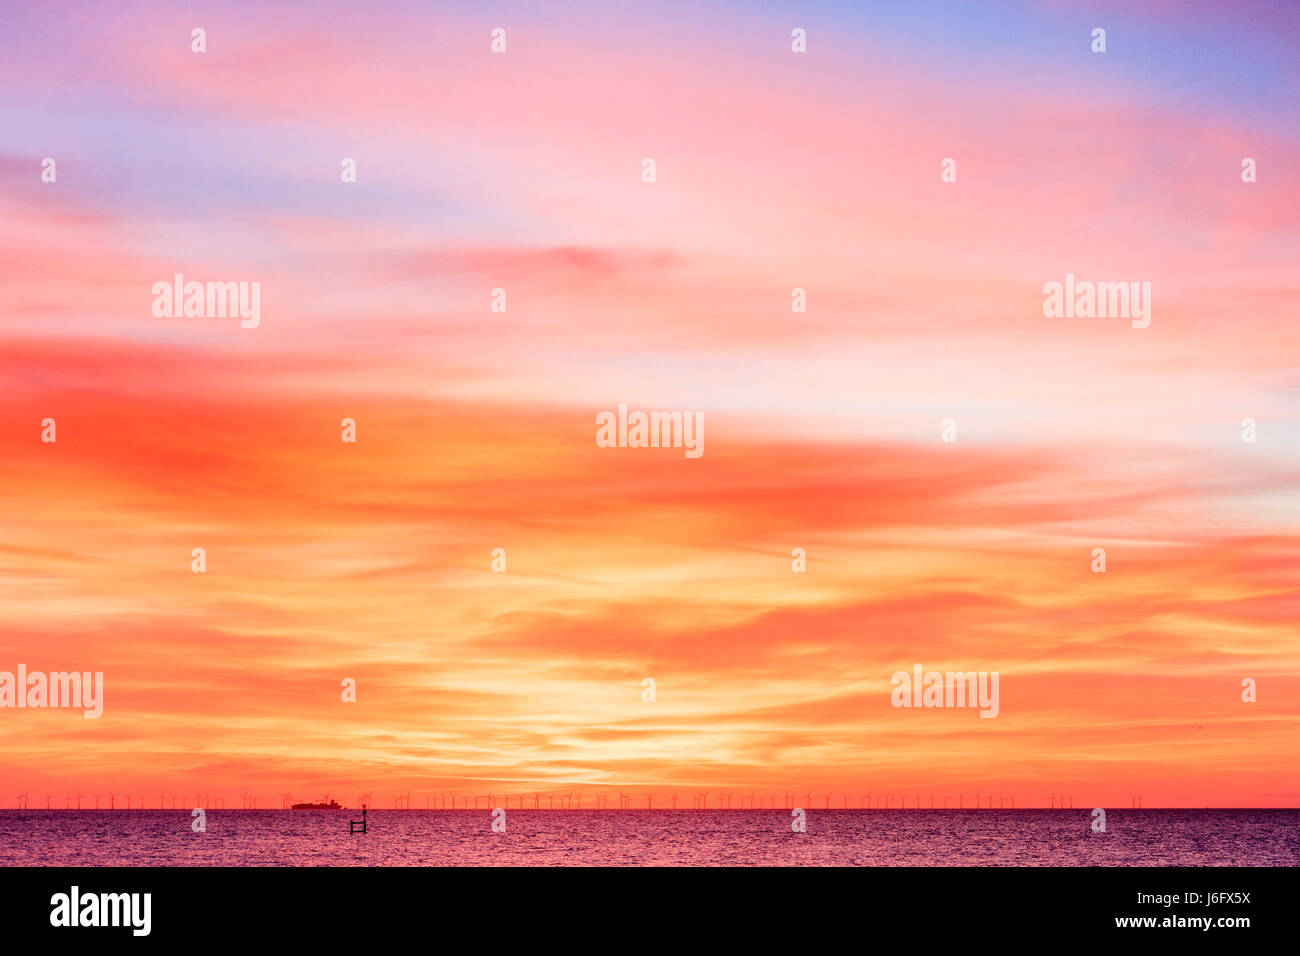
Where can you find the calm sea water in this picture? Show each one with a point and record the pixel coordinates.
(652, 837)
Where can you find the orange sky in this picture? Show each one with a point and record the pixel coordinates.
(371, 561)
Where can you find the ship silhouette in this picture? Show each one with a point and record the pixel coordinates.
(332, 805)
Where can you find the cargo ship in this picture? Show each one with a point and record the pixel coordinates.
(332, 805)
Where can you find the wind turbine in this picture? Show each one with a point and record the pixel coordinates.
(111, 798)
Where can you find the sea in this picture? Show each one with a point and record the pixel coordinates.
(651, 838)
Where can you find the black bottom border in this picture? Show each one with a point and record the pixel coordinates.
(726, 905)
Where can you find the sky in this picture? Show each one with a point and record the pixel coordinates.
(774, 170)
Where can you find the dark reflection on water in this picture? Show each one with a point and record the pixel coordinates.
(653, 837)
